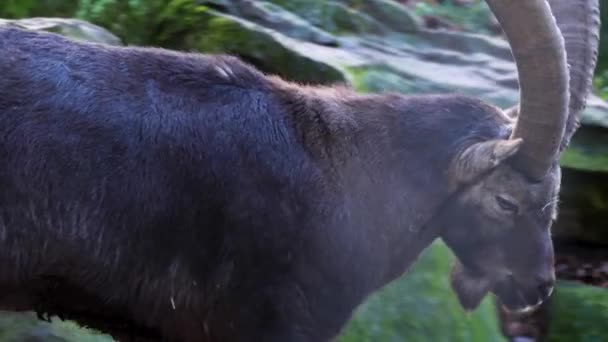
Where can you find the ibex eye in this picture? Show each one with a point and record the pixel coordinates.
(507, 205)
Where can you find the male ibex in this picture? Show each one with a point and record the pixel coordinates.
(196, 199)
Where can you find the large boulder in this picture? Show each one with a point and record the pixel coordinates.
(73, 28)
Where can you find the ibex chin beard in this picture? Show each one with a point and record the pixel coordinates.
(471, 287)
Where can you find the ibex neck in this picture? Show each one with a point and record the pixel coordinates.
(387, 168)
(387, 157)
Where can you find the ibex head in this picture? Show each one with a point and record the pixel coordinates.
(499, 224)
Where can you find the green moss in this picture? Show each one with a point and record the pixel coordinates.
(184, 25)
(382, 78)
(376, 79)
(226, 34)
(17, 9)
(134, 21)
(177, 20)
(421, 307)
(17, 327)
(578, 313)
(577, 159)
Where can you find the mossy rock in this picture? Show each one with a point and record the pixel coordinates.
(389, 12)
(421, 306)
(186, 26)
(72, 28)
(382, 79)
(578, 313)
(20, 327)
(288, 23)
(333, 16)
(355, 16)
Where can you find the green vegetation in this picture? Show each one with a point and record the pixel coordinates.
(580, 314)
(16, 327)
(421, 307)
(34, 8)
(588, 151)
(381, 78)
(134, 21)
(600, 83)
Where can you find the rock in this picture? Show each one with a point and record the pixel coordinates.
(334, 16)
(392, 14)
(72, 28)
(422, 307)
(435, 22)
(288, 23)
(187, 26)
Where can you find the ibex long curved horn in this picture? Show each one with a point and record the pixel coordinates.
(579, 22)
(539, 52)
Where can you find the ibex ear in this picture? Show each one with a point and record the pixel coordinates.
(480, 158)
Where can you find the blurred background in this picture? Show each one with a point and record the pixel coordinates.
(409, 46)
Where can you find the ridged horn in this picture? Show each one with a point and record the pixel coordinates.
(538, 49)
(579, 22)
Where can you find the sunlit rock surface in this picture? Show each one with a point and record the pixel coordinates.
(73, 28)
